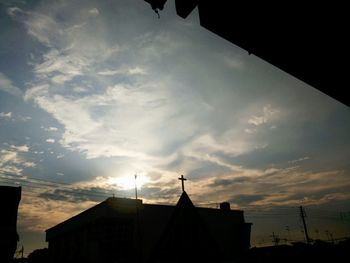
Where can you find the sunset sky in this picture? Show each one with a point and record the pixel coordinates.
(94, 92)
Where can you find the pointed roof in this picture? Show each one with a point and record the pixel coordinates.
(184, 200)
(186, 237)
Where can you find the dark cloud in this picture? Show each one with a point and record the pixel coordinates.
(207, 169)
(177, 163)
(246, 199)
(229, 182)
(313, 195)
(259, 158)
(77, 194)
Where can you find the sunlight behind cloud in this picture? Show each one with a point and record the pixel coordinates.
(128, 182)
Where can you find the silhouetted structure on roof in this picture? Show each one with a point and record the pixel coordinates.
(9, 201)
(126, 230)
(306, 40)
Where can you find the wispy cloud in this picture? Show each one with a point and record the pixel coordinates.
(21, 148)
(299, 160)
(13, 161)
(61, 67)
(7, 86)
(129, 71)
(264, 188)
(51, 129)
(94, 11)
(42, 27)
(68, 55)
(233, 61)
(267, 114)
(33, 211)
(6, 115)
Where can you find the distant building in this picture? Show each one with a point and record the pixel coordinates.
(9, 201)
(126, 230)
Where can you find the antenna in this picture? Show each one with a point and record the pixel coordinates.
(135, 186)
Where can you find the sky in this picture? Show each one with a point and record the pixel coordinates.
(94, 92)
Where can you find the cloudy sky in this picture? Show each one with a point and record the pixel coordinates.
(93, 92)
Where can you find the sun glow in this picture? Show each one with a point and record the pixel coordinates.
(128, 182)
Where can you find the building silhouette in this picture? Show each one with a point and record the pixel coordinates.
(127, 230)
(9, 201)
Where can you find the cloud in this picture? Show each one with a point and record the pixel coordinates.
(129, 71)
(6, 115)
(133, 117)
(60, 67)
(69, 55)
(13, 161)
(21, 148)
(7, 86)
(219, 182)
(76, 194)
(94, 11)
(60, 156)
(136, 71)
(110, 72)
(54, 129)
(266, 116)
(233, 61)
(243, 200)
(33, 215)
(42, 27)
(299, 160)
(250, 131)
(269, 187)
(107, 115)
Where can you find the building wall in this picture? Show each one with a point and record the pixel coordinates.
(105, 240)
(9, 201)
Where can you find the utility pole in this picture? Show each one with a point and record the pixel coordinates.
(303, 215)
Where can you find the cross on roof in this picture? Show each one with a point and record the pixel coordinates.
(182, 178)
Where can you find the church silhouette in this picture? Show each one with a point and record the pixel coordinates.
(127, 230)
